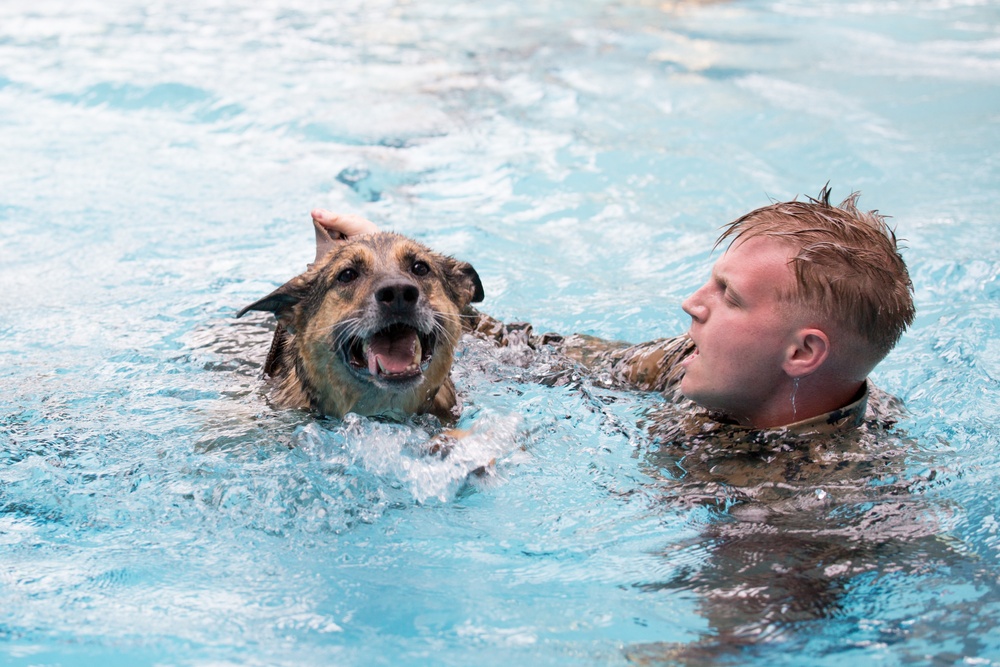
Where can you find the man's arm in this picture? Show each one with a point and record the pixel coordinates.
(652, 366)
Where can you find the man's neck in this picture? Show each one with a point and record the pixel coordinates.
(803, 401)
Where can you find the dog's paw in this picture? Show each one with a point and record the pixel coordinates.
(444, 443)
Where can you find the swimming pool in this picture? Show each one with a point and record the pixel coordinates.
(160, 160)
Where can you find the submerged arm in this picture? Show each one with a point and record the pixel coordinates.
(651, 366)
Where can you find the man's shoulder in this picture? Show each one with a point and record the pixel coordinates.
(883, 408)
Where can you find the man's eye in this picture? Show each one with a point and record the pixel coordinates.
(347, 276)
(420, 268)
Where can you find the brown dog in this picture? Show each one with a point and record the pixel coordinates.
(370, 328)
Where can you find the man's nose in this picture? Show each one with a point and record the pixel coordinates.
(694, 306)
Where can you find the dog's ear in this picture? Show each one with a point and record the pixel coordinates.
(282, 300)
(325, 241)
(464, 282)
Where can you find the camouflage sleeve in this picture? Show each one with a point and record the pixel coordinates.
(651, 366)
(504, 334)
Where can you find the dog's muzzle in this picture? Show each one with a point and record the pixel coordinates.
(397, 354)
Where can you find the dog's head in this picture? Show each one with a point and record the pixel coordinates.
(373, 323)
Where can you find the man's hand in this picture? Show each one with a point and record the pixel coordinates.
(343, 226)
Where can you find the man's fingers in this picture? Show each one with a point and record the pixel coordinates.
(346, 224)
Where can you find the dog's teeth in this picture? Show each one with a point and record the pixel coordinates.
(417, 353)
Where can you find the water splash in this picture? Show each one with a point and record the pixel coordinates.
(420, 459)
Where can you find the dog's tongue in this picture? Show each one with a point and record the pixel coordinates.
(393, 353)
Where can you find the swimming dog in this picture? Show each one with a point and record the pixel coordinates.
(370, 328)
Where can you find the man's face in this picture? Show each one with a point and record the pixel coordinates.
(742, 330)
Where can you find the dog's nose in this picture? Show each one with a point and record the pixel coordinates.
(397, 297)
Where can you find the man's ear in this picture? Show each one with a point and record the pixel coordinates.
(808, 351)
(282, 300)
(463, 283)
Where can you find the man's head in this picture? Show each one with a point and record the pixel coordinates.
(847, 266)
(822, 295)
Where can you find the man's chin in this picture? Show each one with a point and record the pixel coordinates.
(689, 390)
(698, 395)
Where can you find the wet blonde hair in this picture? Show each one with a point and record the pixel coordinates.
(847, 266)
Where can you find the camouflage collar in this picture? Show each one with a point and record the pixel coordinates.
(686, 425)
(842, 419)
(850, 416)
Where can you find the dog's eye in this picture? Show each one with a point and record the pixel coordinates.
(347, 276)
(420, 268)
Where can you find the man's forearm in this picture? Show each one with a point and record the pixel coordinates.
(651, 366)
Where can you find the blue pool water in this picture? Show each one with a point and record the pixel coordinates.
(159, 163)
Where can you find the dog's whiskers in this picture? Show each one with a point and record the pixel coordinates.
(344, 330)
(442, 330)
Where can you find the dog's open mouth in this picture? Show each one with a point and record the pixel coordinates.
(395, 354)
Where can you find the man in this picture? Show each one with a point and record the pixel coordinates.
(806, 300)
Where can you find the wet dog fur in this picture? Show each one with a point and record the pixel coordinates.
(370, 328)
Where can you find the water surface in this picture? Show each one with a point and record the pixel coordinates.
(160, 160)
